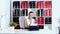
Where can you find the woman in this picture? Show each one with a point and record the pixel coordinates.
(28, 21)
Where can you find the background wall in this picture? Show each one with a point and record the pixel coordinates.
(5, 14)
(55, 15)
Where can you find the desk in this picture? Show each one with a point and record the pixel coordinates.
(33, 32)
(25, 31)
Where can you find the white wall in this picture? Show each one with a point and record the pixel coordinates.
(5, 13)
(55, 14)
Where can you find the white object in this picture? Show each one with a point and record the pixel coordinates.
(28, 22)
(8, 30)
(21, 21)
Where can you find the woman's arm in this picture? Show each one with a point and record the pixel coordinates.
(25, 24)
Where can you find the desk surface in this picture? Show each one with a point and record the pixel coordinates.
(38, 31)
(25, 31)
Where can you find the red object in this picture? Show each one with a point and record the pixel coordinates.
(40, 20)
(24, 4)
(48, 4)
(40, 4)
(48, 12)
(17, 27)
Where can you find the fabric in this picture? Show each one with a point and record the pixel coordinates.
(41, 26)
(16, 12)
(32, 4)
(40, 4)
(40, 12)
(24, 4)
(24, 12)
(48, 4)
(48, 12)
(16, 20)
(40, 20)
(16, 4)
(48, 20)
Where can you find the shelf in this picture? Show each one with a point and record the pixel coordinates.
(42, 10)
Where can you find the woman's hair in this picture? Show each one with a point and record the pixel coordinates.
(30, 12)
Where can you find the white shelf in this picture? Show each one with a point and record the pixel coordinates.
(32, 9)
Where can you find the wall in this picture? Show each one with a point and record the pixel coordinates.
(4, 13)
(55, 15)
